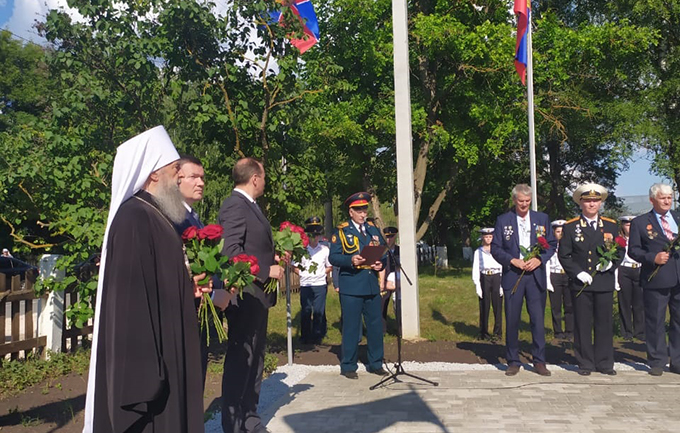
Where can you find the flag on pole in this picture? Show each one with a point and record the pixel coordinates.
(523, 12)
(304, 10)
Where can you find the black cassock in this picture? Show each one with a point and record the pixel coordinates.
(148, 376)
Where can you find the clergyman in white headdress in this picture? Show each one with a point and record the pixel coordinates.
(145, 368)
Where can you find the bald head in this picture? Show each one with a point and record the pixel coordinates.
(248, 175)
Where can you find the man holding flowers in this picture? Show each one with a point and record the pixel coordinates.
(654, 243)
(590, 253)
(523, 243)
(247, 231)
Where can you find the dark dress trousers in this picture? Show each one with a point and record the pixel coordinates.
(559, 298)
(532, 286)
(359, 296)
(662, 292)
(593, 308)
(246, 230)
(631, 304)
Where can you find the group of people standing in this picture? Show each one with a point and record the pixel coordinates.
(580, 263)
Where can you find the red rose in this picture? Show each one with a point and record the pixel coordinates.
(543, 243)
(305, 239)
(241, 258)
(212, 231)
(190, 233)
(254, 269)
(621, 241)
(284, 225)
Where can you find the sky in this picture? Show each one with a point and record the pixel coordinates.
(18, 16)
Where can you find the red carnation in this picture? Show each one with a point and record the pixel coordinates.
(543, 243)
(190, 233)
(212, 231)
(284, 225)
(621, 241)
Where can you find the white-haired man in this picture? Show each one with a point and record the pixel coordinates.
(145, 370)
(653, 242)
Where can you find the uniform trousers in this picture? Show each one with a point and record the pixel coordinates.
(558, 299)
(535, 297)
(243, 365)
(593, 312)
(313, 312)
(631, 305)
(491, 298)
(354, 307)
(656, 302)
(385, 299)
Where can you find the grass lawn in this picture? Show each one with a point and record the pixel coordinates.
(449, 311)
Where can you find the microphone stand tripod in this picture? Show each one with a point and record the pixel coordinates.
(398, 367)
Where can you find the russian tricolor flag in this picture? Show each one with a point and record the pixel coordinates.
(523, 12)
(304, 10)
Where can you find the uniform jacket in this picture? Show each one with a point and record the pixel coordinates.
(578, 252)
(505, 247)
(347, 242)
(246, 230)
(646, 240)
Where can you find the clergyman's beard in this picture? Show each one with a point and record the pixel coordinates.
(170, 201)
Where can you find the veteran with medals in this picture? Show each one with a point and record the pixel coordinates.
(359, 287)
(591, 283)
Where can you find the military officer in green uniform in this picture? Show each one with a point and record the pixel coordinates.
(359, 287)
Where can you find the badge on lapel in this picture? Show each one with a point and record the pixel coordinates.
(579, 234)
(651, 234)
(540, 231)
(507, 232)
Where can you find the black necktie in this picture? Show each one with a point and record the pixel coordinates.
(593, 224)
(362, 230)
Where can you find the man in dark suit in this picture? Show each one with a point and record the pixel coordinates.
(191, 184)
(390, 266)
(523, 227)
(591, 283)
(650, 243)
(247, 231)
(359, 287)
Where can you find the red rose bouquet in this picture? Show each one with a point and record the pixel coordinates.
(293, 239)
(242, 272)
(530, 253)
(203, 249)
(608, 254)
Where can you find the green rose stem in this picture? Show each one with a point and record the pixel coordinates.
(669, 247)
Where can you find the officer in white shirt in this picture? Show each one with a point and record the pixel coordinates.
(313, 286)
(631, 306)
(558, 291)
(486, 274)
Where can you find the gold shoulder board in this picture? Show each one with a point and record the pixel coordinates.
(608, 219)
(572, 220)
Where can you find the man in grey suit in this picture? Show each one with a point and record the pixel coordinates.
(247, 231)
(653, 243)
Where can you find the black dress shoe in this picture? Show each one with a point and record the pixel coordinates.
(512, 370)
(656, 371)
(610, 372)
(350, 374)
(583, 372)
(380, 372)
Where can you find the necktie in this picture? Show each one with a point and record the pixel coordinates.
(362, 230)
(197, 220)
(593, 224)
(666, 227)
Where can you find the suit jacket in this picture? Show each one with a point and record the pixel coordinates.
(578, 252)
(247, 231)
(347, 242)
(505, 247)
(646, 240)
(189, 220)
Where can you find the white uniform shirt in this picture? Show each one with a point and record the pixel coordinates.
(319, 255)
(483, 262)
(627, 261)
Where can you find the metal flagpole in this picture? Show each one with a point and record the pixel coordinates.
(530, 97)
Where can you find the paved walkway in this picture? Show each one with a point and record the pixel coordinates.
(476, 399)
